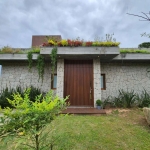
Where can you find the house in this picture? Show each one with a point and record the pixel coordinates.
(84, 73)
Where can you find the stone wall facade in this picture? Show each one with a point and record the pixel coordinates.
(126, 76)
(15, 74)
(97, 81)
(60, 78)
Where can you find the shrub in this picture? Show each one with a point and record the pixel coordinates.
(30, 118)
(98, 102)
(34, 92)
(108, 102)
(128, 98)
(143, 100)
(125, 99)
(8, 92)
(9, 50)
(144, 45)
(147, 114)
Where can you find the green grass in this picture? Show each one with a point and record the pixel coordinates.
(134, 51)
(116, 131)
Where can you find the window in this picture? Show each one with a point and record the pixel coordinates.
(0, 70)
(103, 84)
(54, 82)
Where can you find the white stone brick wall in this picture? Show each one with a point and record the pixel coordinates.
(97, 87)
(127, 76)
(15, 74)
(60, 78)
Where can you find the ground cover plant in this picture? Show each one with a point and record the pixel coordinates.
(134, 51)
(8, 49)
(126, 130)
(128, 99)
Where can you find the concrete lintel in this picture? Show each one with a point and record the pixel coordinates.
(81, 50)
(129, 56)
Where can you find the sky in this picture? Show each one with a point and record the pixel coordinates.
(87, 19)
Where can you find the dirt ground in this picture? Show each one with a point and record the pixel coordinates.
(110, 110)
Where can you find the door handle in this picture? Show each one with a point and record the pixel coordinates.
(90, 91)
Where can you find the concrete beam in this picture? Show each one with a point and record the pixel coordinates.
(81, 50)
(16, 56)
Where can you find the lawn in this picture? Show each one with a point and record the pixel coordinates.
(115, 131)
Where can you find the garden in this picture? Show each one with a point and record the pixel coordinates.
(31, 119)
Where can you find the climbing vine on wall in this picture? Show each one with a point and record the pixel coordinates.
(40, 66)
(30, 61)
(41, 63)
(53, 60)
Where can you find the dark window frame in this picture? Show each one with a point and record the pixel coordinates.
(0, 69)
(104, 82)
(52, 81)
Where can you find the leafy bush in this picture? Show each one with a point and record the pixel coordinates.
(144, 45)
(128, 98)
(143, 100)
(98, 102)
(125, 99)
(34, 92)
(7, 49)
(8, 92)
(108, 102)
(30, 118)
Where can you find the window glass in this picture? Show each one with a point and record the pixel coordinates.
(103, 84)
(55, 82)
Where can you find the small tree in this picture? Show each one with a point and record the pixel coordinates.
(30, 118)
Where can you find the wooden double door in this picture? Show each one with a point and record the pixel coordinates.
(78, 82)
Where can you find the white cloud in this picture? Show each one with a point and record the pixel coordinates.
(20, 19)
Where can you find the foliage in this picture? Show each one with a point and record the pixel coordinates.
(30, 118)
(144, 45)
(30, 61)
(134, 51)
(40, 66)
(30, 56)
(9, 50)
(143, 100)
(75, 43)
(108, 42)
(126, 99)
(64, 42)
(53, 60)
(35, 50)
(34, 92)
(8, 92)
(98, 102)
(51, 42)
(108, 102)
